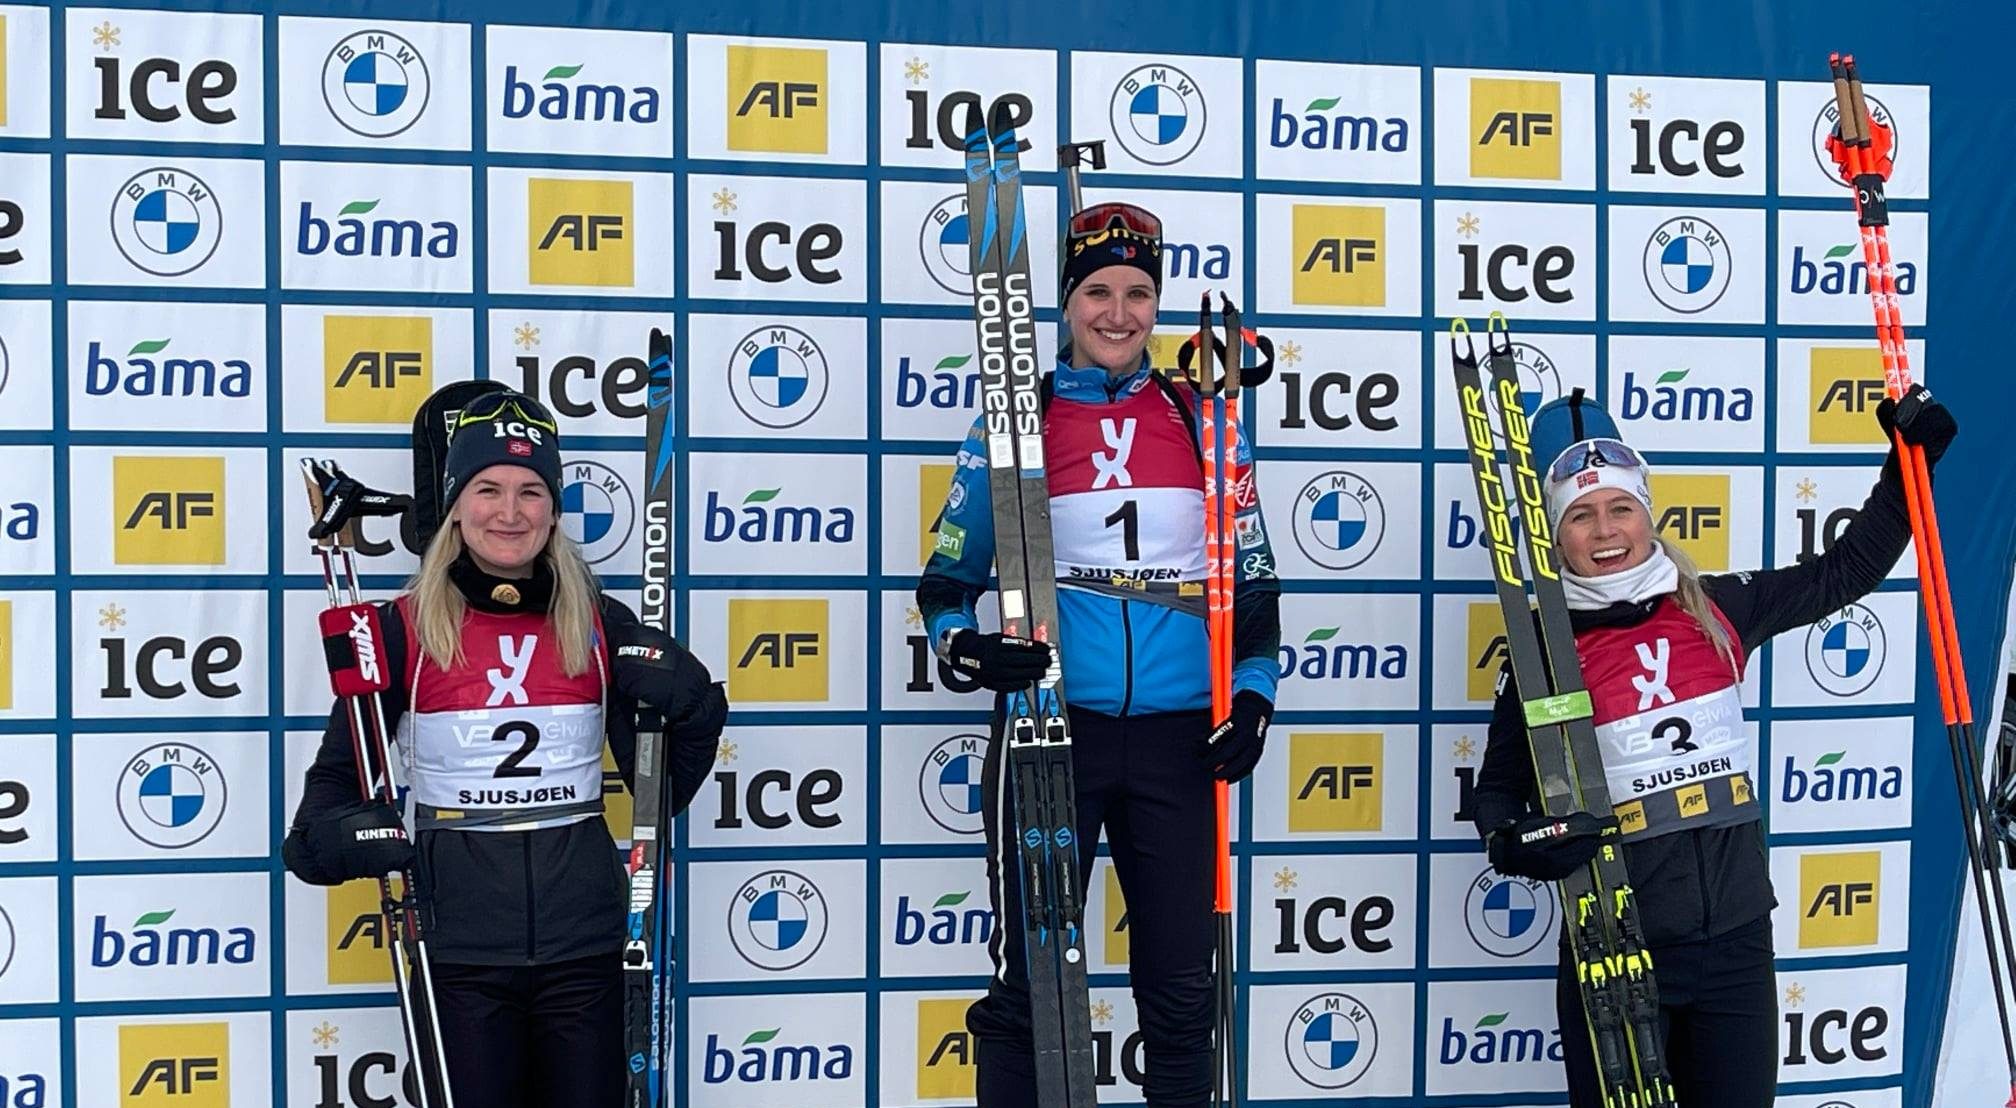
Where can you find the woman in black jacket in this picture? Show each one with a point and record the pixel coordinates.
(512, 669)
(1663, 648)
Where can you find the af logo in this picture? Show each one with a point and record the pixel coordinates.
(375, 83)
(168, 510)
(777, 376)
(941, 244)
(949, 783)
(1687, 264)
(1157, 114)
(187, 1065)
(777, 920)
(776, 97)
(1845, 651)
(1339, 520)
(579, 232)
(166, 221)
(1516, 128)
(1507, 916)
(596, 509)
(171, 795)
(1830, 115)
(1338, 255)
(1331, 1040)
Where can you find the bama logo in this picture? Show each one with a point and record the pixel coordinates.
(1494, 1039)
(148, 944)
(1318, 658)
(759, 519)
(779, 649)
(167, 511)
(952, 919)
(1339, 255)
(1515, 128)
(1838, 270)
(1827, 780)
(1322, 125)
(142, 371)
(947, 386)
(1669, 398)
(770, 1056)
(776, 99)
(347, 233)
(175, 1065)
(563, 93)
(1335, 781)
(581, 232)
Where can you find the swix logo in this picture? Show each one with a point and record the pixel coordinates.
(1119, 436)
(365, 644)
(1652, 688)
(507, 685)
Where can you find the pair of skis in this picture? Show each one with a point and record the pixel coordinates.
(352, 638)
(1861, 150)
(647, 946)
(1613, 969)
(1035, 728)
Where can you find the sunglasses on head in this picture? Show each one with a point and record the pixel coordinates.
(1591, 454)
(1102, 217)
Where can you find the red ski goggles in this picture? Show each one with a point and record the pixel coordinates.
(1103, 217)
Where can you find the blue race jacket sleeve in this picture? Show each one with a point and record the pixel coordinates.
(962, 559)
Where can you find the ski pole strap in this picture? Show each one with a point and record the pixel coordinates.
(1560, 708)
(350, 637)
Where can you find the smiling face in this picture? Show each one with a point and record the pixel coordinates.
(1606, 531)
(1111, 314)
(506, 515)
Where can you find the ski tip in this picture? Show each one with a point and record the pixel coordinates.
(1459, 326)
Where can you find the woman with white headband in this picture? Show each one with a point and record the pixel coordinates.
(1663, 649)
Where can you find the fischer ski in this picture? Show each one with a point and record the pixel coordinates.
(1035, 727)
(647, 951)
(351, 632)
(1612, 967)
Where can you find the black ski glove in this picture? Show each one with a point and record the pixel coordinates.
(364, 838)
(1548, 849)
(1922, 420)
(997, 661)
(1233, 747)
(650, 667)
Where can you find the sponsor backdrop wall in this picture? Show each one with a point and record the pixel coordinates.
(233, 238)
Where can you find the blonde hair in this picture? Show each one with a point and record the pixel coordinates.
(438, 607)
(1693, 600)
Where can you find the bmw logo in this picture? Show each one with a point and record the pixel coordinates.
(777, 920)
(1157, 114)
(1687, 264)
(1331, 1040)
(596, 509)
(949, 783)
(171, 795)
(375, 83)
(1845, 650)
(943, 247)
(777, 376)
(166, 221)
(1339, 520)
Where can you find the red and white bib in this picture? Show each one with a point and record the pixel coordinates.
(1669, 717)
(506, 741)
(1126, 492)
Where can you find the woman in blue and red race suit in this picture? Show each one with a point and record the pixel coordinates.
(1663, 649)
(504, 632)
(1127, 511)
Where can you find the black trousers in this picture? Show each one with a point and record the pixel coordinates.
(1718, 1009)
(548, 1036)
(1139, 779)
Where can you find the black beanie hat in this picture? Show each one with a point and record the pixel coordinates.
(502, 428)
(1116, 244)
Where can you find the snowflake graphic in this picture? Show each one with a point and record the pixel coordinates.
(1467, 225)
(917, 71)
(1807, 490)
(724, 201)
(325, 1035)
(1641, 101)
(912, 617)
(112, 617)
(105, 36)
(1284, 880)
(1102, 1012)
(1465, 749)
(525, 335)
(727, 752)
(1291, 353)
(1795, 995)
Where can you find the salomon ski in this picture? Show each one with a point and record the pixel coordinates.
(1035, 728)
(647, 955)
(1613, 970)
